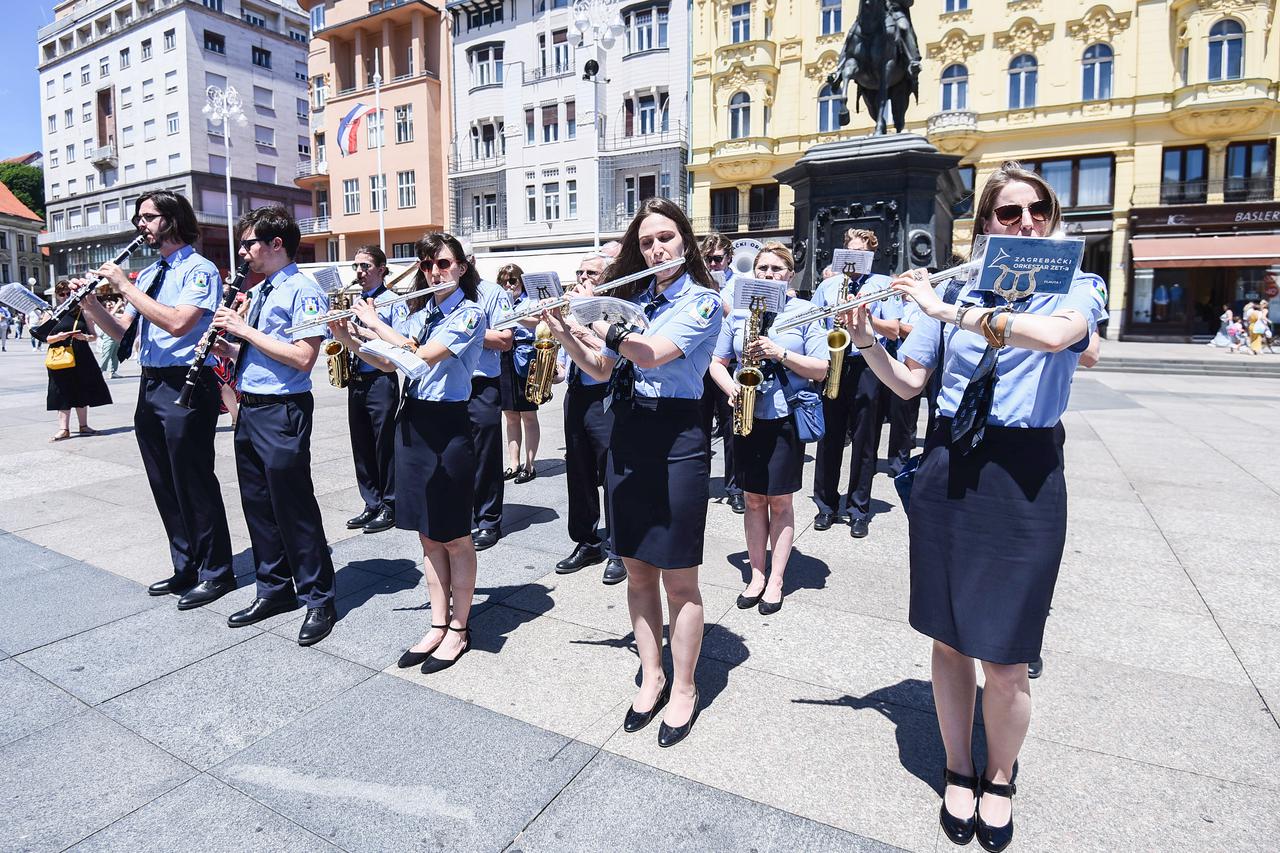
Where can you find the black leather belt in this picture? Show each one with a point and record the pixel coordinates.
(255, 400)
(165, 372)
(366, 378)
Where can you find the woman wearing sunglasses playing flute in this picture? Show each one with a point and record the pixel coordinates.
(993, 463)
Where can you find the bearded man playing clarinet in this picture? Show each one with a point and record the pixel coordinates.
(171, 307)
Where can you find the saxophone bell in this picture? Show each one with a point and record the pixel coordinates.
(749, 377)
(542, 370)
(838, 341)
(339, 357)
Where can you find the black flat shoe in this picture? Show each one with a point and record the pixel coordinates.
(486, 538)
(738, 504)
(858, 528)
(526, 475)
(582, 556)
(362, 519)
(318, 624)
(434, 664)
(824, 520)
(746, 602)
(384, 520)
(672, 735)
(410, 658)
(637, 720)
(957, 830)
(768, 608)
(510, 473)
(995, 838)
(615, 571)
(1035, 668)
(262, 608)
(205, 592)
(173, 585)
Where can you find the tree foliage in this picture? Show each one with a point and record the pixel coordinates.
(27, 183)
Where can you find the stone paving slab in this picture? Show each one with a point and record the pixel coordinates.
(19, 557)
(29, 703)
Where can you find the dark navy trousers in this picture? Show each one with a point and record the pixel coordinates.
(587, 426)
(372, 399)
(856, 411)
(485, 409)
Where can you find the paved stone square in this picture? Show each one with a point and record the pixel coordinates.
(126, 725)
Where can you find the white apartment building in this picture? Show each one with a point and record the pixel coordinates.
(122, 86)
(526, 173)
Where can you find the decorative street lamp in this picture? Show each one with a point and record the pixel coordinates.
(597, 25)
(223, 107)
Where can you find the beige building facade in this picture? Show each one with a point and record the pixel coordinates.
(406, 43)
(1156, 122)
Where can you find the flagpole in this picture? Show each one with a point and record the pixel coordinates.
(382, 140)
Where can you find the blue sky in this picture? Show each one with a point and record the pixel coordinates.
(19, 82)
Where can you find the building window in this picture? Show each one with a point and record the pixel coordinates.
(528, 126)
(300, 71)
(664, 185)
(49, 88)
(253, 20)
(1080, 181)
(261, 57)
(126, 97)
(376, 137)
(171, 82)
(85, 75)
(646, 28)
(53, 158)
(486, 65)
(53, 124)
(1022, 82)
(955, 88)
(551, 201)
(829, 105)
(146, 49)
(724, 209)
(740, 22)
(148, 90)
(377, 192)
(551, 123)
(317, 18)
(407, 189)
(531, 203)
(1226, 50)
(488, 17)
(652, 112)
(86, 112)
(124, 58)
(956, 5)
(215, 43)
(404, 123)
(1097, 73)
(484, 140)
(264, 136)
(1184, 175)
(71, 153)
(571, 199)
(149, 130)
(630, 195)
(171, 122)
(831, 14)
(68, 118)
(740, 116)
(170, 39)
(317, 93)
(351, 196)
(215, 5)
(1250, 171)
(304, 148)
(300, 108)
(66, 82)
(399, 251)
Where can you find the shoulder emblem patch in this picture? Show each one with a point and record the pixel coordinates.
(202, 279)
(310, 305)
(705, 307)
(399, 312)
(472, 319)
(1100, 288)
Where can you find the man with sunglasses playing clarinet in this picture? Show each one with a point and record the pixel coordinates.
(170, 309)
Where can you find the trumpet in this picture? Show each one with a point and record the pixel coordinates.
(537, 388)
(560, 302)
(348, 313)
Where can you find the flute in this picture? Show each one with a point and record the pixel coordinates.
(41, 332)
(229, 295)
(561, 301)
(334, 316)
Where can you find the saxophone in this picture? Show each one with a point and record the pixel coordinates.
(537, 388)
(339, 358)
(837, 342)
(749, 376)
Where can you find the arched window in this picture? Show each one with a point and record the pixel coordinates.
(828, 110)
(1226, 50)
(955, 88)
(1097, 72)
(740, 116)
(1022, 82)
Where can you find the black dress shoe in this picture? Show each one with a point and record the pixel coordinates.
(858, 528)
(957, 830)
(824, 520)
(410, 658)
(525, 475)
(510, 473)
(173, 585)
(637, 720)
(746, 602)
(672, 735)
(205, 592)
(995, 838)
(583, 555)
(262, 608)
(1035, 668)
(768, 608)
(485, 538)
(362, 519)
(434, 664)
(318, 624)
(737, 504)
(384, 520)
(615, 571)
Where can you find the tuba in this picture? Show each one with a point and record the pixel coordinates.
(749, 376)
(339, 359)
(838, 341)
(537, 388)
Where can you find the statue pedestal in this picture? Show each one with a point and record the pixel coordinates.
(898, 186)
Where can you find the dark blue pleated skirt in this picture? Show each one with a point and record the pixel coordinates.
(435, 469)
(769, 460)
(987, 533)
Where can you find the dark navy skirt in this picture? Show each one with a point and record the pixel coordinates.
(511, 386)
(435, 469)
(987, 533)
(770, 460)
(657, 481)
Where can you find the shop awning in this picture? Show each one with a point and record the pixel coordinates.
(1247, 250)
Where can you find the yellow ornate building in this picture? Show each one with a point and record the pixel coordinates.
(1156, 122)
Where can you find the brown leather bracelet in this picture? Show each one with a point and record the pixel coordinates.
(984, 325)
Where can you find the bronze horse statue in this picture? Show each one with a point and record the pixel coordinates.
(881, 57)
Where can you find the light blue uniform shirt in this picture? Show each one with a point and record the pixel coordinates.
(690, 317)
(495, 302)
(294, 298)
(191, 280)
(1032, 387)
(395, 315)
(828, 293)
(809, 339)
(461, 330)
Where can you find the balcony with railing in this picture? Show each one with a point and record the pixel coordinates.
(537, 74)
(746, 223)
(677, 135)
(1204, 192)
(469, 163)
(953, 131)
(314, 225)
(105, 157)
(307, 169)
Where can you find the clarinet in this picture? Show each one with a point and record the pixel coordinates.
(229, 295)
(42, 331)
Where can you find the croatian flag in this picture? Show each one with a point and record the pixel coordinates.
(349, 128)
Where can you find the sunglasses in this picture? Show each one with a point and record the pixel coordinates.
(145, 217)
(246, 245)
(1010, 214)
(361, 266)
(441, 263)
(713, 259)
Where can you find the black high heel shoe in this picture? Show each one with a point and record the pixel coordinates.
(412, 658)
(637, 720)
(995, 838)
(672, 735)
(434, 664)
(959, 831)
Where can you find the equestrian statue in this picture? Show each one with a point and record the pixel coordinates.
(882, 58)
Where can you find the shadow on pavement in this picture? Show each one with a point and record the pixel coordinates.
(803, 571)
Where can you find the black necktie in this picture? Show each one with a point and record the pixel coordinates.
(622, 382)
(131, 334)
(970, 421)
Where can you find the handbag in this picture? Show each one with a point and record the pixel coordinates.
(805, 405)
(62, 356)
